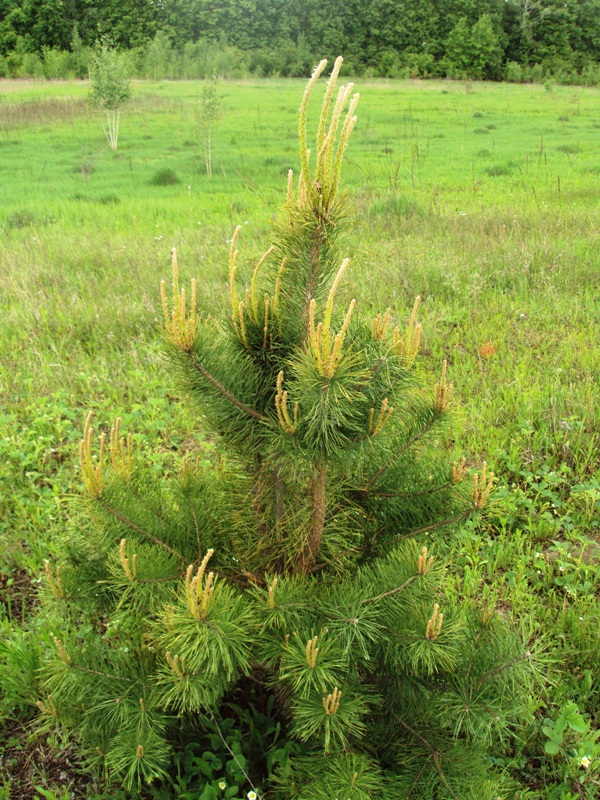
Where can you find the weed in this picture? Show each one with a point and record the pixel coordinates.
(497, 170)
(21, 219)
(569, 149)
(165, 177)
(395, 206)
(109, 199)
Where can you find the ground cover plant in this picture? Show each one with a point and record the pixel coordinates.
(506, 265)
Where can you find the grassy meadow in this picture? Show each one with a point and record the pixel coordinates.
(482, 198)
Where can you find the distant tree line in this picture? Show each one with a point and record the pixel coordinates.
(480, 39)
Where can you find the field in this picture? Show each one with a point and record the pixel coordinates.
(481, 198)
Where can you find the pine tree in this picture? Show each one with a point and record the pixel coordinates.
(294, 574)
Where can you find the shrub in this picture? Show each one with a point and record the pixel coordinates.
(31, 66)
(165, 177)
(514, 72)
(497, 170)
(56, 63)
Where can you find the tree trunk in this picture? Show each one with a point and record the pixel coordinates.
(318, 502)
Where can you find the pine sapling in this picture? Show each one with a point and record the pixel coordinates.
(291, 585)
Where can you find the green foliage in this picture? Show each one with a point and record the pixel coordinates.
(79, 331)
(569, 718)
(417, 38)
(110, 87)
(574, 746)
(487, 50)
(109, 79)
(165, 177)
(473, 51)
(158, 56)
(278, 590)
(19, 662)
(218, 772)
(210, 111)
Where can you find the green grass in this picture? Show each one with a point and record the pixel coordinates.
(484, 202)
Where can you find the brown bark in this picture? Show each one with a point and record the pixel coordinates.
(318, 503)
(278, 488)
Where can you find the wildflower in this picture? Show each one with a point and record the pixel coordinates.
(222, 785)
(252, 796)
(585, 762)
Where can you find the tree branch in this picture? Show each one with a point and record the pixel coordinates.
(441, 524)
(278, 489)
(497, 670)
(402, 450)
(313, 280)
(318, 498)
(434, 755)
(146, 534)
(220, 388)
(101, 674)
(176, 577)
(411, 494)
(391, 591)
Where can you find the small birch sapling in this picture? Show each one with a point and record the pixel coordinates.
(110, 88)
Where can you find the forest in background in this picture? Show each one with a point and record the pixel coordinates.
(515, 40)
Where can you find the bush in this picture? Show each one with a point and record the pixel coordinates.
(56, 63)
(388, 64)
(158, 57)
(31, 66)
(419, 65)
(513, 72)
(536, 74)
(590, 75)
(165, 177)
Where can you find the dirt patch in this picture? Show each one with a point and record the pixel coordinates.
(27, 763)
(18, 594)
